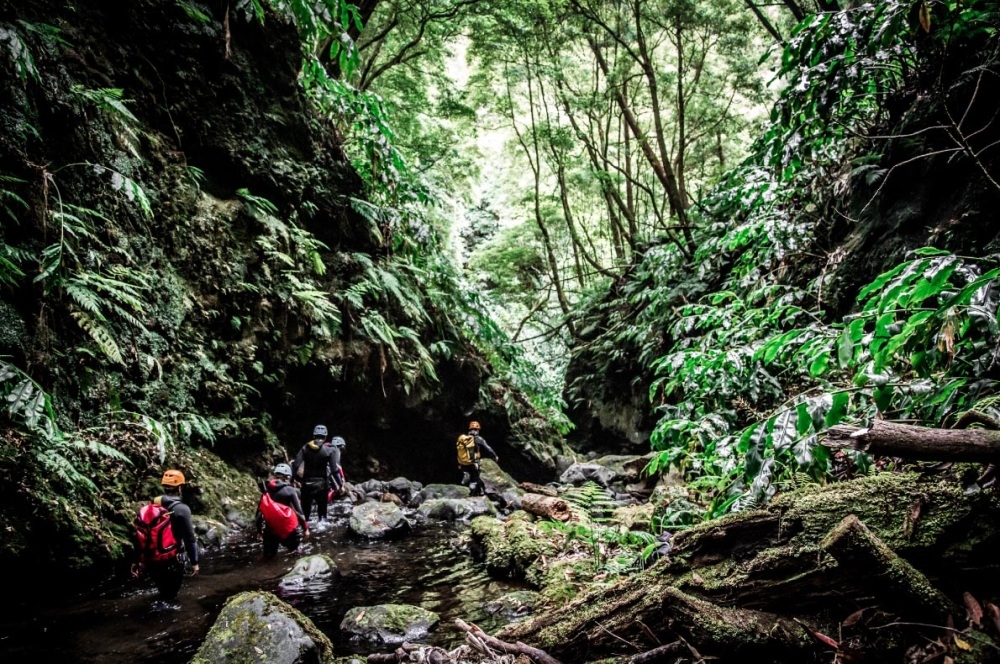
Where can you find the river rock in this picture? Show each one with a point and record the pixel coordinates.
(378, 520)
(258, 627)
(439, 491)
(581, 473)
(308, 570)
(371, 486)
(454, 509)
(403, 488)
(500, 486)
(388, 624)
(514, 606)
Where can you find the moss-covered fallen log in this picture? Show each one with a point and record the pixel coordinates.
(773, 582)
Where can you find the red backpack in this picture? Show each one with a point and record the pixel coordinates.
(155, 535)
(281, 519)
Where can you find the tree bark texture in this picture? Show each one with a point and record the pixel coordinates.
(549, 507)
(912, 442)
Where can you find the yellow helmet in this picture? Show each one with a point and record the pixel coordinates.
(474, 425)
(172, 478)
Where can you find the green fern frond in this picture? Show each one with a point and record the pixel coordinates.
(97, 448)
(590, 498)
(58, 465)
(99, 331)
(83, 296)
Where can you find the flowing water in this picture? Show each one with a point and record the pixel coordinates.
(431, 567)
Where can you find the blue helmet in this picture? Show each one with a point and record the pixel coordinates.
(282, 469)
(337, 441)
(320, 432)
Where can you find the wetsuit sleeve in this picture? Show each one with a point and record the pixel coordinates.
(299, 458)
(184, 530)
(296, 504)
(485, 449)
(335, 468)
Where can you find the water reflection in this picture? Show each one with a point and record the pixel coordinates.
(430, 568)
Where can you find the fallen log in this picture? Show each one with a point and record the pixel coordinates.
(473, 634)
(531, 487)
(912, 442)
(556, 509)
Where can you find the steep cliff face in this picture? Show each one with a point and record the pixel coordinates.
(169, 196)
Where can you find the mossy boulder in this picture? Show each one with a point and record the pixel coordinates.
(498, 483)
(389, 624)
(512, 548)
(258, 627)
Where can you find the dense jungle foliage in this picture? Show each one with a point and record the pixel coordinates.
(712, 228)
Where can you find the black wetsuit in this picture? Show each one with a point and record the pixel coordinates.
(284, 493)
(317, 463)
(168, 574)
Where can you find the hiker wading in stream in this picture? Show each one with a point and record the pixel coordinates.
(315, 464)
(471, 447)
(279, 514)
(162, 528)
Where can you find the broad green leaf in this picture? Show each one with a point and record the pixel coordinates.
(784, 430)
(931, 251)
(838, 409)
(845, 349)
(820, 364)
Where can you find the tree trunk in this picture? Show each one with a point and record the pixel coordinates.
(548, 506)
(913, 442)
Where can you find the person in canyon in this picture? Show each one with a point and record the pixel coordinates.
(280, 519)
(318, 467)
(471, 448)
(166, 538)
(336, 479)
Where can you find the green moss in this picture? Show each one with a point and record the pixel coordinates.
(241, 636)
(513, 547)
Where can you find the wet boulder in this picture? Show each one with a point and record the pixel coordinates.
(378, 521)
(581, 473)
(371, 487)
(388, 624)
(454, 509)
(514, 606)
(439, 491)
(498, 484)
(309, 571)
(403, 488)
(258, 627)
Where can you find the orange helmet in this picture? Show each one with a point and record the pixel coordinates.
(172, 478)
(474, 425)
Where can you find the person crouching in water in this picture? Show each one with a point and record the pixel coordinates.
(279, 514)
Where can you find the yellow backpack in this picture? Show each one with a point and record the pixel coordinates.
(466, 450)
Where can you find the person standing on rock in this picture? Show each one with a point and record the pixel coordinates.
(280, 519)
(471, 447)
(163, 527)
(317, 465)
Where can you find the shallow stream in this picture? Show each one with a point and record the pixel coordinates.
(431, 567)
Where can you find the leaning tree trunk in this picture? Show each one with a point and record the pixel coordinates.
(771, 584)
(912, 442)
